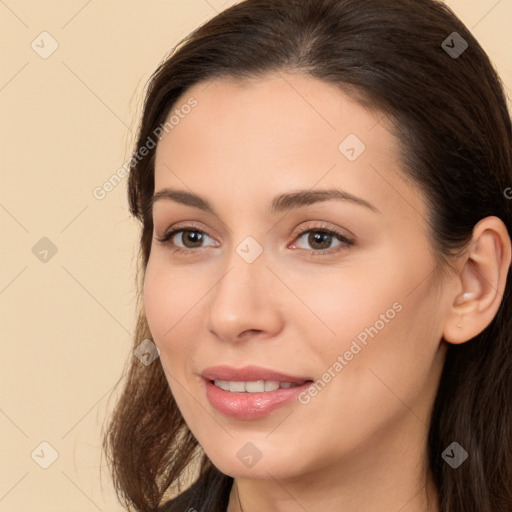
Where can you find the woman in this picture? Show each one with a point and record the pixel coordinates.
(324, 270)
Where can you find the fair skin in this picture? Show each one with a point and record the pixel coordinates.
(360, 443)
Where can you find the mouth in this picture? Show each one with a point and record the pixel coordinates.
(251, 392)
(252, 400)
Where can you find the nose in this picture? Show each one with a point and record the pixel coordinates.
(245, 301)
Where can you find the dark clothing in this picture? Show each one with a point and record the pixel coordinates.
(210, 493)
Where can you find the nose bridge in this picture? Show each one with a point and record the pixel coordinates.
(242, 300)
(246, 259)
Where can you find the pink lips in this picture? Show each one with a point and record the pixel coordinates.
(249, 406)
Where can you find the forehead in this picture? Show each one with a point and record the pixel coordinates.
(284, 111)
(275, 133)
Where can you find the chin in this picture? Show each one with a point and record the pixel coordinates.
(244, 460)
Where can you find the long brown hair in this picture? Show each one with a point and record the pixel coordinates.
(450, 114)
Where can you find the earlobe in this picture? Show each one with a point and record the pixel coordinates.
(482, 278)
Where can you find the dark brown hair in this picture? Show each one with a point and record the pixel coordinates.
(450, 115)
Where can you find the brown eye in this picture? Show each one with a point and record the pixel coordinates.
(194, 238)
(320, 240)
(190, 237)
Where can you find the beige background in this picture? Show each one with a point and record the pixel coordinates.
(67, 323)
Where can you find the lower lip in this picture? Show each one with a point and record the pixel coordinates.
(250, 406)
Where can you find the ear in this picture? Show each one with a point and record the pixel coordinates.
(480, 281)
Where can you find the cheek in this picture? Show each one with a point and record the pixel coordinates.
(380, 319)
(386, 365)
(368, 296)
(348, 301)
(170, 302)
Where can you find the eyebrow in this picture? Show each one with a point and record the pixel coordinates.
(281, 203)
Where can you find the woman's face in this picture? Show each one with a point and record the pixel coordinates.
(259, 282)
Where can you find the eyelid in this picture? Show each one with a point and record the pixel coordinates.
(319, 225)
(186, 226)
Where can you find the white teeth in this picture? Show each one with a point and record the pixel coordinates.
(223, 384)
(271, 385)
(254, 387)
(258, 386)
(237, 387)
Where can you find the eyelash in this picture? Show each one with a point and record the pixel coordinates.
(166, 239)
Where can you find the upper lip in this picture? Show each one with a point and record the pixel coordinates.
(248, 374)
